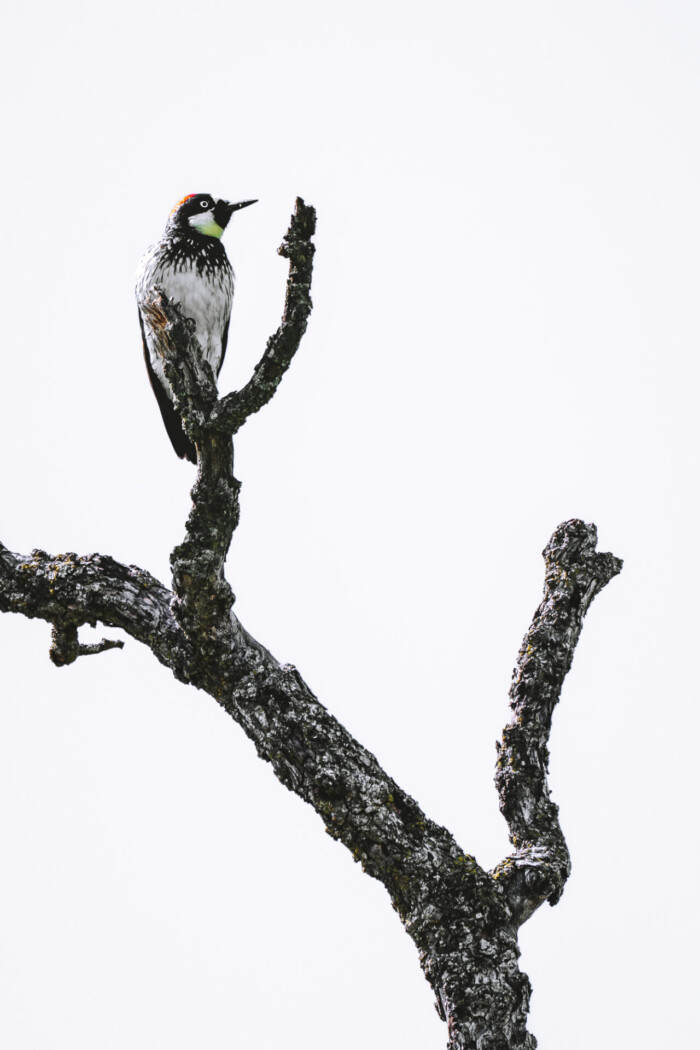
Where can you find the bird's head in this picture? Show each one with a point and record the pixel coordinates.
(204, 214)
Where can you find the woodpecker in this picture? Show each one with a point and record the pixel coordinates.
(189, 264)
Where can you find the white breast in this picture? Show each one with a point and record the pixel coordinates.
(205, 297)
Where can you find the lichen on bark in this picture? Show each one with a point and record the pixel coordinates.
(463, 920)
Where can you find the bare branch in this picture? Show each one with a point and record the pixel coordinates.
(463, 920)
(232, 411)
(91, 648)
(67, 591)
(190, 376)
(455, 913)
(65, 647)
(574, 574)
(203, 598)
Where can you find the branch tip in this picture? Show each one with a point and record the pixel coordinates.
(231, 412)
(302, 227)
(574, 574)
(65, 647)
(575, 541)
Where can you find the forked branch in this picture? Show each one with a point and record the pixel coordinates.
(203, 598)
(463, 920)
(232, 411)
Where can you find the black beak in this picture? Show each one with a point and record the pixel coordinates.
(224, 210)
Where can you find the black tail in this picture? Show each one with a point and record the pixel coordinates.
(173, 424)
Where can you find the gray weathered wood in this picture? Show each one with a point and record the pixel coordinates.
(462, 919)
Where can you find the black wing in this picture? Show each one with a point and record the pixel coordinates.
(173, 424)
(224, 344)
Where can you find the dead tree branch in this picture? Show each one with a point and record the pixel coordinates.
(67, 591)
(65, 647)
(232, 411)
(463, 920)
(574, 573)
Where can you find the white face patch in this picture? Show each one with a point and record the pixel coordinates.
(206, 223)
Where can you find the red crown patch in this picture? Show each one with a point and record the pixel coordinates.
(187, 198)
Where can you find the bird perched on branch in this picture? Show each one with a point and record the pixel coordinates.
(189, 264)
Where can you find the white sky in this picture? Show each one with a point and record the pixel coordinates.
(505, 336)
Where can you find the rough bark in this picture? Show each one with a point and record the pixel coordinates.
(463, 920)
(574, 573)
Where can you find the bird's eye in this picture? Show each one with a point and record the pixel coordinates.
(204, 204)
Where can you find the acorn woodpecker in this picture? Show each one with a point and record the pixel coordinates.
(189, 265)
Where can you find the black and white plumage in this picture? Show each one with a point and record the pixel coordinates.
(189, 264)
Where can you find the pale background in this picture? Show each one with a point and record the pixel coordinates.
(505, 335)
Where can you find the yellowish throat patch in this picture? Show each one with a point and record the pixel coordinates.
(212, 229)
(206, 224)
